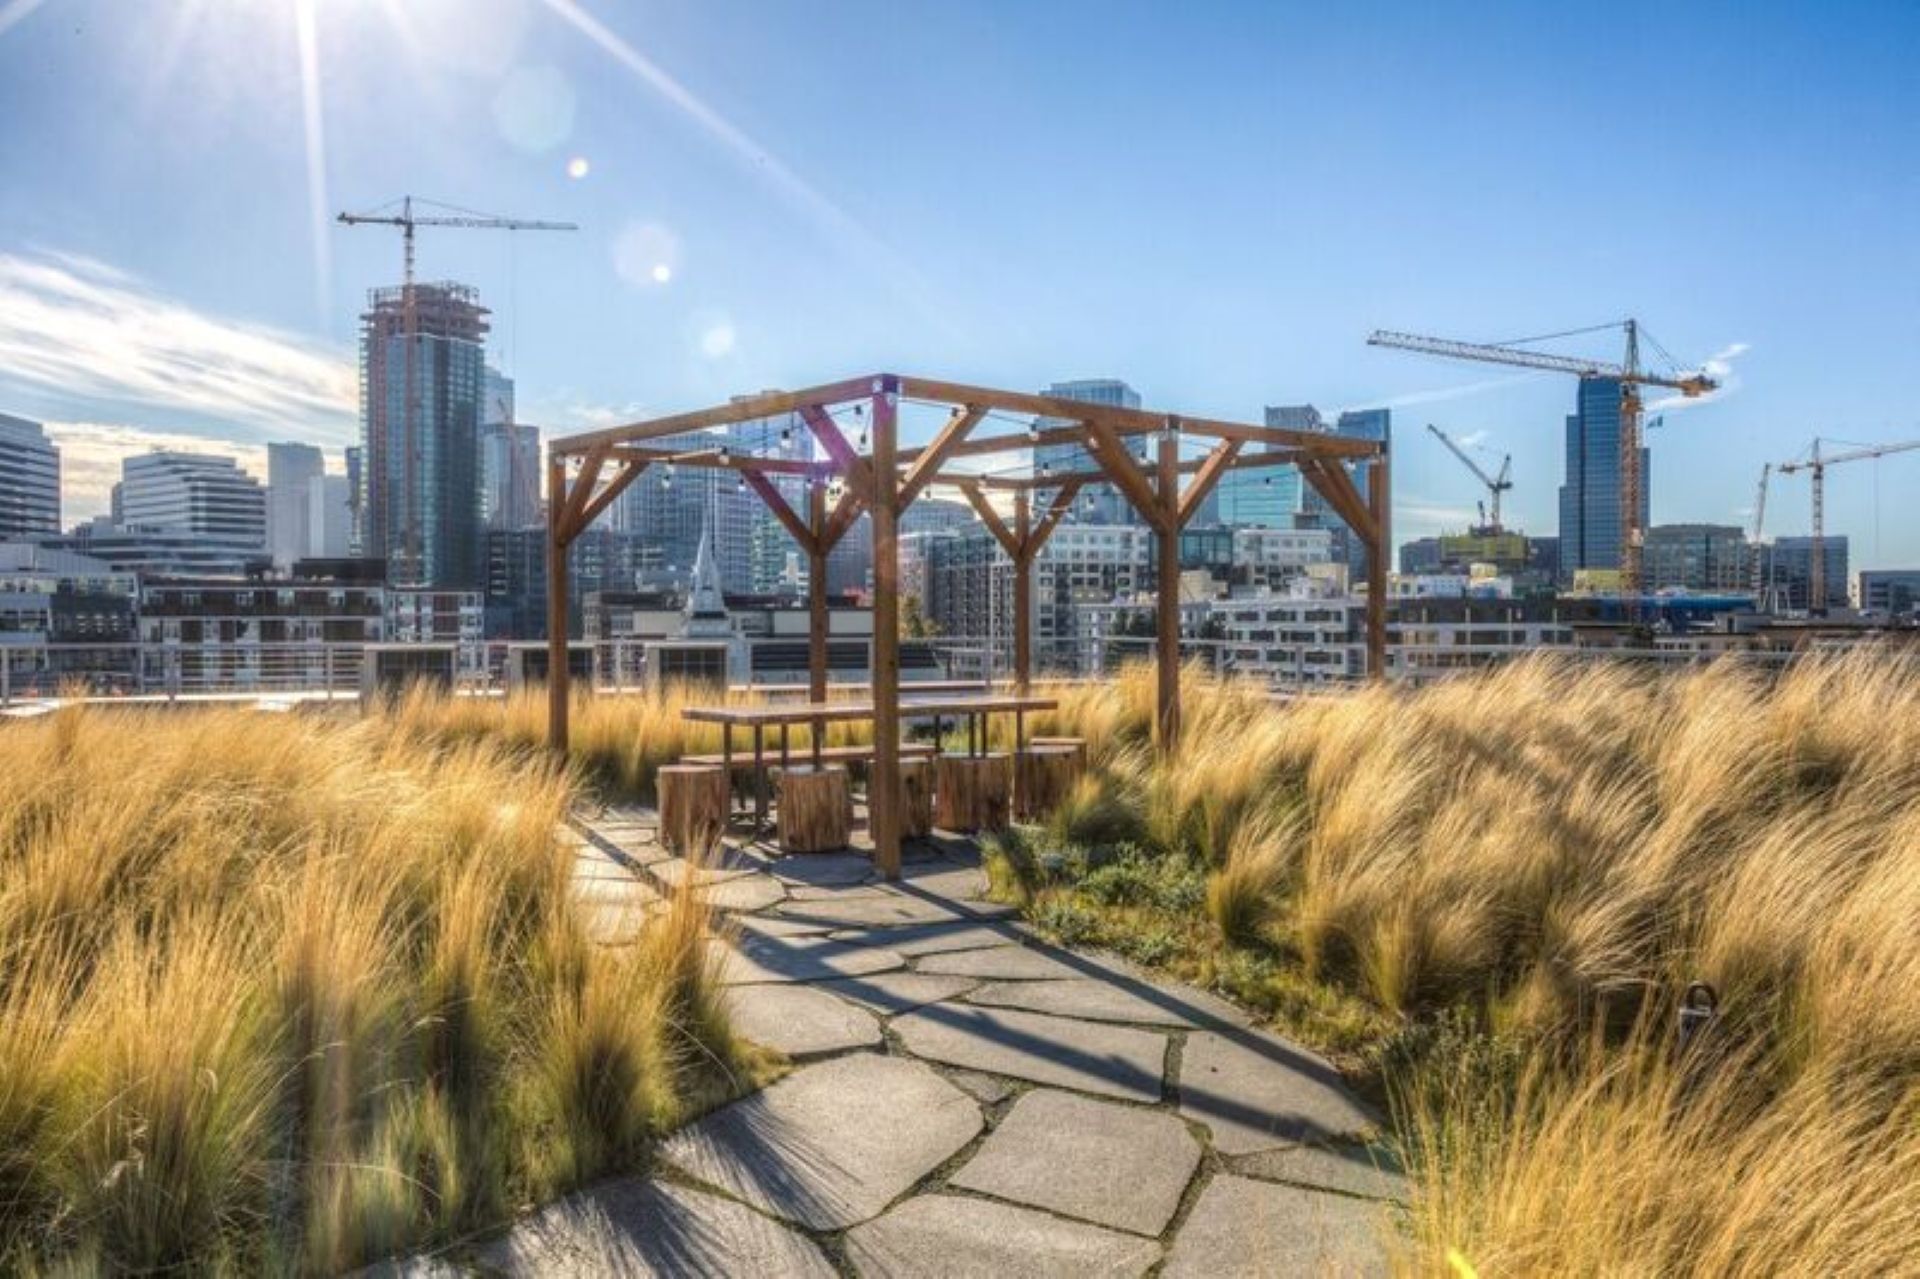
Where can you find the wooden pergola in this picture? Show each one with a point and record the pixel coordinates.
(587, 472)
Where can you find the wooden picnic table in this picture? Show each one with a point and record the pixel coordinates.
(974, 709)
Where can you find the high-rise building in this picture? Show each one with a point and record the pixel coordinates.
(207, 496)
(29, 480)
(356, 496)
(1590, 533)
(291, 471)
(509, 460)
(1099, 503)
(329, 518)
(1267, 496)
(1695, 557)
(1315, 512)
(420, 427)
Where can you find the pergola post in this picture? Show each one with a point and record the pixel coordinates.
(558, 693)
(1381, 509)
(884, 795)
(817, 593)
(1022, 594)
(1167, 606)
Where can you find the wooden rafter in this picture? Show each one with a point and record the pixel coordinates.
(1056, 511)
(1120, 467)
(991, 518)
(777, 503)
(927, 464)
(1206, 477)
(1331, 480)
(845, 512)
(580, 491)
(856, 470)
(629, 472)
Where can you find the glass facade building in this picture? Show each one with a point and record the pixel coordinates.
(1098, 503)
(422, 463)
(1590, 530)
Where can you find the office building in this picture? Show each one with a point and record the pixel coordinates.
(1695, 557)
(291, 471)
(207, 496)
(1787, 568)
(329, 518)
(356, 497)
(1267, 496)
(1590, 532)
(509, 460)
(1099, 503)
(29, 480)
(421, 511)
(301, 632)
(55, 597)
(158, 552)
(1894, 591)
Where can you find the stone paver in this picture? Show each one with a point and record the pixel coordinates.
(948, 1237)
(764, 959)
(832, 1144)
(1005, 963)
(897, 992)
(1113, 1165)
(821, 959)
(800, 1021)
(931, 939)
(873, 910)
(637, 1227)
(1115, 1061)
(742, 895)
(1256, 1091)
(1100, 999)
(1353, 1170)
(1256, 1229)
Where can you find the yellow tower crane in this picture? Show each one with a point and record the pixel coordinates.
(1627, 373)
(1816, 464)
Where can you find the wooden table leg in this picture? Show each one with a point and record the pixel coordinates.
(759, 779)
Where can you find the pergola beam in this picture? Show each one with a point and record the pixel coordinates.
(991, 518)
(1112, 455)
(630, 471)
(856, 470)
(777, 503)
(925, 466)
(1209, 474)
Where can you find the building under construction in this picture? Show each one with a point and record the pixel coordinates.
(422, 381)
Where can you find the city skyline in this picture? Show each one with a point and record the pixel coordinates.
(1225, 268)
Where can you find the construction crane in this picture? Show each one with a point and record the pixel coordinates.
(1496, 484)
(408, 221)
(1755, 552)
(1627, 372)
(1816, 464)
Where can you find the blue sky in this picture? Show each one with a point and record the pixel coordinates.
(1216, 202)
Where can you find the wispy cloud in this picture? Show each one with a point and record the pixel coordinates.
(80, 332)
(91, 453)
(14, 11)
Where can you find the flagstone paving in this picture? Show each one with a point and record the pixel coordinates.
(965, 1099)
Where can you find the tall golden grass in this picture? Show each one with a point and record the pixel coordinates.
(617, 742)
(1552, 851)
(288, 994)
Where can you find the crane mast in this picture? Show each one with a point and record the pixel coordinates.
(1631, 378)
(1754, 549)
(1816, 464)
(408, 221)
(1495, 484)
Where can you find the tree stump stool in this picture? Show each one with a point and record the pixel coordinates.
(973, 792)
(916, 798)
(816, 808)
(693, 807)
(1044, 776)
